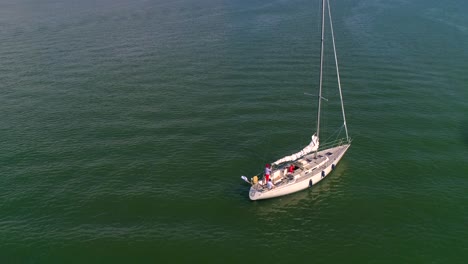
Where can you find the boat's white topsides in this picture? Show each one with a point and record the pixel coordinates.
(309, 171)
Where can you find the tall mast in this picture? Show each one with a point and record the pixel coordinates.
(321, 70)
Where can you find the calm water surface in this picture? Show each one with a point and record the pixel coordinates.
(125, 127)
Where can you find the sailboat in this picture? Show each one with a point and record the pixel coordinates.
(315, 161)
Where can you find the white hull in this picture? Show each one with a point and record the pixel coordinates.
(310, 171)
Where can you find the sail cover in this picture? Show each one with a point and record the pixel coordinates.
(313, 146)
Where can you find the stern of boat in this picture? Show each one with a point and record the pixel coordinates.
(254, 194)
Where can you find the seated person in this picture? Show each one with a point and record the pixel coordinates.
(254, 180)
(270, 184)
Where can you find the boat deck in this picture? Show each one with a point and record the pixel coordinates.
(306, 167)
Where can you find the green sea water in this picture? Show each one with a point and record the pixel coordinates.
(125, 127)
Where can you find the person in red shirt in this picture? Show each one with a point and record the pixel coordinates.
(267, 173)
(291, 169)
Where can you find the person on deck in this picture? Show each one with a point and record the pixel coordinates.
(270, 184)
(267, 173)
(291, 169)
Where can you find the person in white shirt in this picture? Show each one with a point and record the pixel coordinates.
(270, 185)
